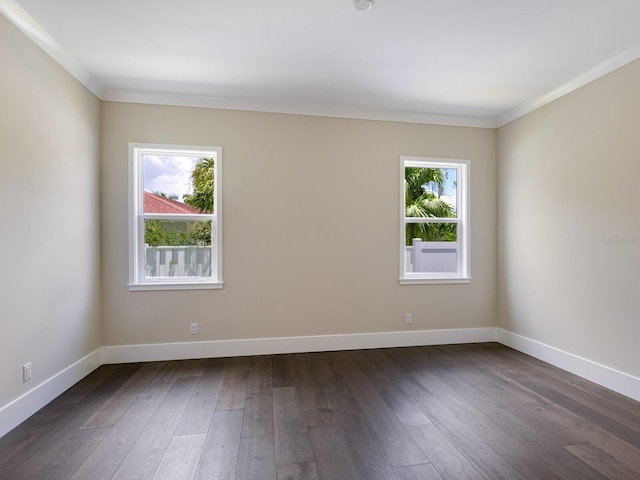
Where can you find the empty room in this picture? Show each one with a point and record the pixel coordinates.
(336, 240)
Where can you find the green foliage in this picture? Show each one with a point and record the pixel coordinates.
(201, 234)
(202, 179)
(422, 190)
(158, 233)
(165, 233)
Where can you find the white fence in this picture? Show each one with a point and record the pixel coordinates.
(186, 261)
(438, 257)
(195, 261)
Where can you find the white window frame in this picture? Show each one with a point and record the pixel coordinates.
(462, 275)
(137, 279)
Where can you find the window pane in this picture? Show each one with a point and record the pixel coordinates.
(430, 192)
(177, 249)
(178, 184)
(431, 248)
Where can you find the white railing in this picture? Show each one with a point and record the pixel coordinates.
(182, 261)
(437, 257)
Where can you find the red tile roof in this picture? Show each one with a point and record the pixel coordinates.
(156, 204)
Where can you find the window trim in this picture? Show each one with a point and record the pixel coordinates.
(462, 220)
(137, 280)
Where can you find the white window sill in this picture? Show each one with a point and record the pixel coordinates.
(138, 287)
(434, 280)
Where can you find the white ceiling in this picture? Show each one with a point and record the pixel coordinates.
(465, 62)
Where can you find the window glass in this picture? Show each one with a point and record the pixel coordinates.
(434, 227)
(175, 218)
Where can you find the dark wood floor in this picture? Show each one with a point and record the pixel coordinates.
(466, 412)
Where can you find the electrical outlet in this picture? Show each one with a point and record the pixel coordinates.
(408, 318)
(26, 372)
(193, 329)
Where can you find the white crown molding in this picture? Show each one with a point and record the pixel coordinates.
(11, 10)
(336, 111)
(32, 29)
(17, 411)
(600, 70)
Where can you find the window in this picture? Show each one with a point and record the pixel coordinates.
(434, 232)
(175, 224)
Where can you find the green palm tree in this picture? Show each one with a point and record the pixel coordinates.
(203, 182)
(202, 179)
(422, 190)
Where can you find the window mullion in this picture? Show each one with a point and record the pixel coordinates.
(431, 220)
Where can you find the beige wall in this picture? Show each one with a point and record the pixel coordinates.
(49, 244)
(311, 220)
(569, 222)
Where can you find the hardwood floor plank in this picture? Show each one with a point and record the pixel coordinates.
(527, 461)
(257, 459)
(405, 408)
(113, 409)
(197, 417)
(291, 434)
(282, 371)
(464, 376)
(606, 464)
(592, 396)
(65, 457)
(108, 455)
(320, 357)
(258, 411)
(407, 358)
(424, 471)
(193, 368)
(444, 456)
(331, 452)
(365, 449)
(483, 457)
(234, 384)
(475, 411)
(383, 362)
(37, 426)
(599, 438)
(147, 452)
(485, 364)
(537, 433)
(331, 378)
(219, 458)
(181, 458)
(298, 471)
(460, 376)
(627, 433)
(91, 382)
(399, 447)
(160, 384)
(41, 450)
(316, 384)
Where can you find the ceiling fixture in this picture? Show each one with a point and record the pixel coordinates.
(363, 5)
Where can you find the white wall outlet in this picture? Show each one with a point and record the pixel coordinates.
(408, 318)
(26, 372)
(193, 329)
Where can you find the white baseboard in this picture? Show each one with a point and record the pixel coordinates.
(318, 343)
(14, 413)
(610, 378)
